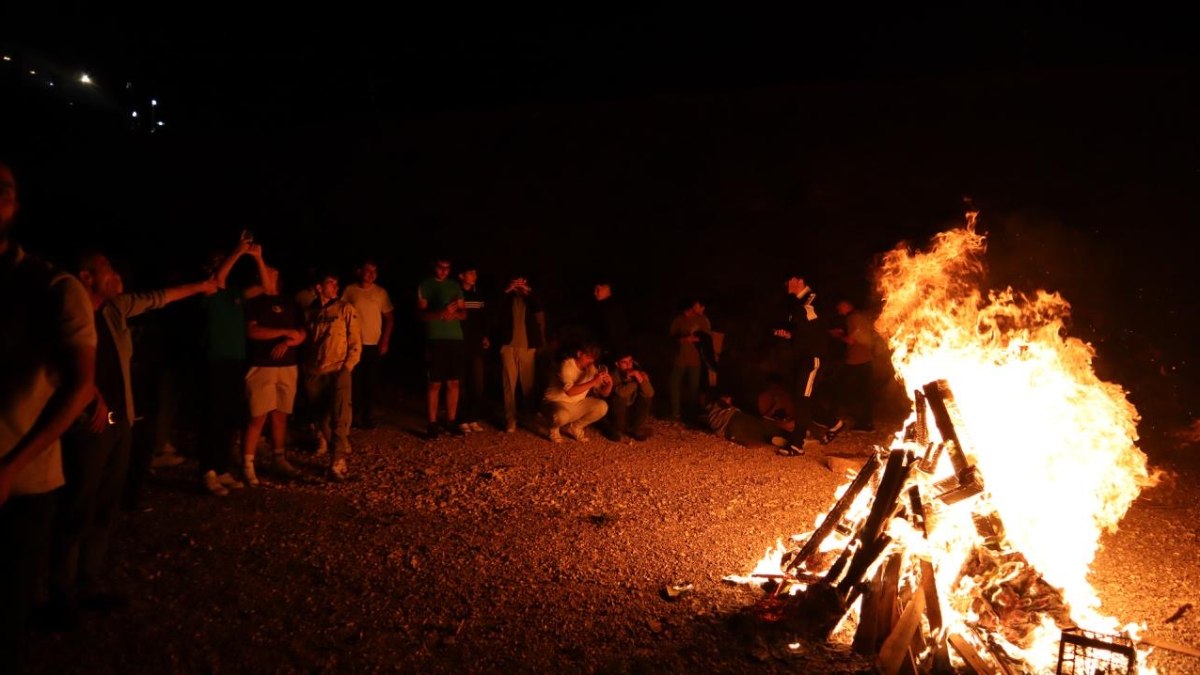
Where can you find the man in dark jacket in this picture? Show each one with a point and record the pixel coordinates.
(520, 330)
(809, 340)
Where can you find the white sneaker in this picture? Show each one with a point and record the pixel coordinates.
(576, 431)
(226, 479)
(476, 426)
(465, 428)
(248, 473)
(213, 485)
(340, 470)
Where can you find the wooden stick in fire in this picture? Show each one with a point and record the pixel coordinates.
(967, 481)
(796, 557)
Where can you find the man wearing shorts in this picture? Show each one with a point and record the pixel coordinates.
(274, 333)
(441, 307)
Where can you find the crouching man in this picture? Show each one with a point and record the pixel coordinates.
(575, 399)
(630, 402)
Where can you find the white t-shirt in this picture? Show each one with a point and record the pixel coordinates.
(371, 304)
(569, 375)
(44, 321)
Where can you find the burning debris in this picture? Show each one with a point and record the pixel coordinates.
(957, 552)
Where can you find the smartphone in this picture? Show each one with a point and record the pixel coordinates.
(247, 236)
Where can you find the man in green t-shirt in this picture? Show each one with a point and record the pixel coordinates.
(441, 308)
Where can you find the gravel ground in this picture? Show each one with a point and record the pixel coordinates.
(505, 553)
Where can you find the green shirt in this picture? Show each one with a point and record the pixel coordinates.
(226, 326)
(439, 294)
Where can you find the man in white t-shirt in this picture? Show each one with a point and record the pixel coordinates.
(48, 339)
(375, 318)
(567, 403)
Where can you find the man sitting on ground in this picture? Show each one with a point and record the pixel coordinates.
(630, 402)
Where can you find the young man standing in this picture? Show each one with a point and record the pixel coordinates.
(809, 346)
(520, 331)
(274, 333)
(442, 308)
(334, 349)
(96, 450)
(475, 346)
(48, 339)
(686, 366)
(376, 317)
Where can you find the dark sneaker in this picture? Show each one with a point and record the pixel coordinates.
(455, 430)
(610, 433)
(640, 434)
(785, 447)
(433, 431)
(281, 466)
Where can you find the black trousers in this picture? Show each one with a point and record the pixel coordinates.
(365, 385)
(25, 523)
(150, 436)
(225, 412)
(95, 466)
(471, 395)
(812, 415)
(625, 416)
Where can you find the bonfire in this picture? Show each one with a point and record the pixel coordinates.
(965, 546)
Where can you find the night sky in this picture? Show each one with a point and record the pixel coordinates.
(675, 152)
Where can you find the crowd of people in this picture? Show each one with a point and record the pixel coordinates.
(74, 449)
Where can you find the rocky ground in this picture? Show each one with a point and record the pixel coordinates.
(505, 553)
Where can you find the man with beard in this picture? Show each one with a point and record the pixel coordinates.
(48, 339)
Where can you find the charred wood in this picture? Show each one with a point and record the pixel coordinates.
(917, 510)
(795, 558)
(918, 431)
(866, 639)
(895, 649)
(894, 477)
(969, 481)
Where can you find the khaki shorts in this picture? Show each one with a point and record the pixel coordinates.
(271, 388)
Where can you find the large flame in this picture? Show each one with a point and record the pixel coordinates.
(1055, 445)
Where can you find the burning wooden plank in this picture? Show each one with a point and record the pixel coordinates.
(966, 482)
(794, 558)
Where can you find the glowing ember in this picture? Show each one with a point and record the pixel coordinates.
(1054, 446)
